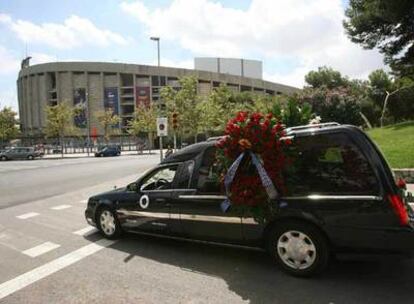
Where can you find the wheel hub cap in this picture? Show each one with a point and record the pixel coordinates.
(296, 250)
(107, 222)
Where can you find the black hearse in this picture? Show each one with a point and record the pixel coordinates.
(342, 198)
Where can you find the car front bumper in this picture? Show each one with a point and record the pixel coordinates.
(89, 216)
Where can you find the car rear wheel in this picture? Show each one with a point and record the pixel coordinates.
(300, 249)
(30, 157)
(108, 223)
(3, 158)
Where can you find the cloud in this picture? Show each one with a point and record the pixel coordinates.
(184, 64)
(9, 62)
(308, 33)
(10, 66)
(8, 97)
(74, 32)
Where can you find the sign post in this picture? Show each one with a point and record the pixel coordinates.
(162, 130)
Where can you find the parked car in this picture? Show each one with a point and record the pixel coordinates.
(108, 151)
(342, 198)
(20, 153)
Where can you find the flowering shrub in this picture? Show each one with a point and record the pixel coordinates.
(260, 134)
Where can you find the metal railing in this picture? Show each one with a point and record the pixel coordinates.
(314, 126)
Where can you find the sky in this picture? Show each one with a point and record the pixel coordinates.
(290, 37)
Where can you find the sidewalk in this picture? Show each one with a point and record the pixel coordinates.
(92, 154)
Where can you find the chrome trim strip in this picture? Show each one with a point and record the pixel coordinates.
(334, 197)
(211, 218)
(169, 190)
(159, 224)
(188, 217)
(305, 197)
(203, 197)
(249, 221)
(144, 214)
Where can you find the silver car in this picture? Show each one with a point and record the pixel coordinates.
(20, 153)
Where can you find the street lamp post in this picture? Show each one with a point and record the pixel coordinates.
(157, 39)
(88, 126)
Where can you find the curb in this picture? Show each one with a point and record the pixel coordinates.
(406, 173)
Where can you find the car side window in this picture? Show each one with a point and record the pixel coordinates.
(208, 180)
(330, 164)
(159, 179)
(185, 172)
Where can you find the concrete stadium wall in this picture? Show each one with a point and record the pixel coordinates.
(47, 84)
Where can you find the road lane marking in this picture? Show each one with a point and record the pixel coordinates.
(86, 231)
(61, 207)
(27, 215)
(40, 249)
(32, 276)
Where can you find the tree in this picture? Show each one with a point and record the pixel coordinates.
(108, 120)
(217, 109)
(325, 76)
(379, 80)
(265, 103)
(339, 104)
(213, 118)
(387, 96)
(8, 124)
(184, 102)
(59, 122)
(144, 121)
(385, 91)
(386, 25)
(222, 104)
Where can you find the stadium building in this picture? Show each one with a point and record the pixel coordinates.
(97, 86)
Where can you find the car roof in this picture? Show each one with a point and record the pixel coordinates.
(325, 128)
(193, 150)
(188, 152)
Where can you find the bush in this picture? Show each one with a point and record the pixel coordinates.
(291, 113)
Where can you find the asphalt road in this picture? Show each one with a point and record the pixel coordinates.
(25, 181)
(48, 254)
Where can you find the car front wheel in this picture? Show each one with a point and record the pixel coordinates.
(4, 158)
(30, 157)
(108, 223)
(300, 249)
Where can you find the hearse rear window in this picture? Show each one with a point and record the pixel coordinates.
(330, 164)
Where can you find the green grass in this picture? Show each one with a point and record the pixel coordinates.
(396, 143)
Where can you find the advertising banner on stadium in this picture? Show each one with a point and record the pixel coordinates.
(79, 102)
(111, 100)
(142, 96)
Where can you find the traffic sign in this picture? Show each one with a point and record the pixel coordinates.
(162, 126)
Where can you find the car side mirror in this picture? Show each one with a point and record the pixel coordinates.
(133, 187)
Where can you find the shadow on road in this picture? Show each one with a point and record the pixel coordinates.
(252, 275)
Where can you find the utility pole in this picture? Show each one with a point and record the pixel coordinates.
(157, 39)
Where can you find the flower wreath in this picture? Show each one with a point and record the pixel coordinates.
(259, 135)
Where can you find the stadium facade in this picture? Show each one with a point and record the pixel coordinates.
(95, 86)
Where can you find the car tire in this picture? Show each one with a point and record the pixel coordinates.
(3, 158)
(108, 223)
(298, 248)
(30, 157)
